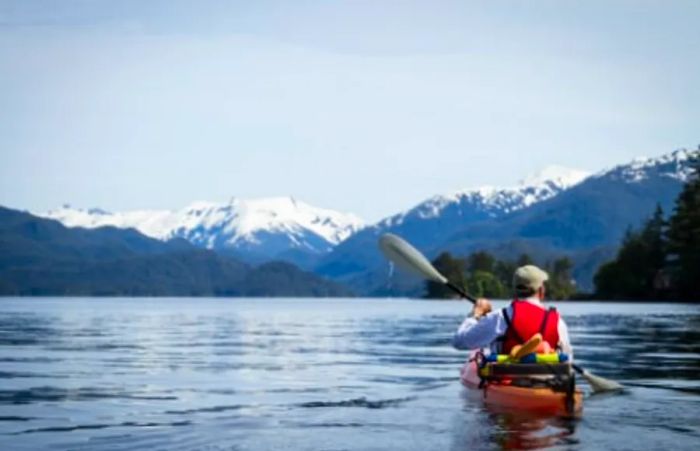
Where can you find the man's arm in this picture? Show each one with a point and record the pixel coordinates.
(475, 334)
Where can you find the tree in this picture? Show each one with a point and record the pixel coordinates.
(481, 261)
(525, 259)
(653, 236)
(504, 271)
(640, 260)
(561, 285)
(482, 275)
(450, 267)
(684, 239)
(486, 284)
(608, 280)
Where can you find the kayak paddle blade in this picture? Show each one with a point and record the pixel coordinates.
(409, 258)
(599, 384)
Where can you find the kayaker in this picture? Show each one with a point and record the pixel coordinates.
(501, 330)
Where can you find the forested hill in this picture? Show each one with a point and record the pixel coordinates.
(660, 260)
(42, 257)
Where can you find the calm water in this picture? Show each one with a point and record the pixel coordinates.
(302, 374)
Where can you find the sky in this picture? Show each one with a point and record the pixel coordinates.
(366, 107)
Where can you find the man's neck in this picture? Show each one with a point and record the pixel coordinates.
(534, 299)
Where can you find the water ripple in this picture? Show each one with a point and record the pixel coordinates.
(319, 374)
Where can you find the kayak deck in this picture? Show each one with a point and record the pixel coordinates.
(537, 400)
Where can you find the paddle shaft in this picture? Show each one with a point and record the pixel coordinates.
(577, 368)
(461, 292)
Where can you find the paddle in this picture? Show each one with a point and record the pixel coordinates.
(598, 384)
(409, 258)
(405, 256)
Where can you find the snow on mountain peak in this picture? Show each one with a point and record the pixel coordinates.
(234, 223)
(559, 175)
(493, 200)
(246, 217)
(674, 165)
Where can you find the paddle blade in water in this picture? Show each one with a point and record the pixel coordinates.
(598, 384)
(408, 257)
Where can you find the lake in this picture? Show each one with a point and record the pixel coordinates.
(319, 374)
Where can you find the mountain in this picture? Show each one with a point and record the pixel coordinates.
(547, 216)
(42, 257)
(587, 221)
(252, 230)
(444, 213)
(557, 212)
(439, 217)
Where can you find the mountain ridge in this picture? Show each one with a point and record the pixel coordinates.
(255, 230)
(557, 211)
(41, 256)
(585, 221)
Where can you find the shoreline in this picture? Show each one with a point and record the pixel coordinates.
(364, 298)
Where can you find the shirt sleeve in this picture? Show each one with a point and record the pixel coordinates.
(475, 334)
(564, 342)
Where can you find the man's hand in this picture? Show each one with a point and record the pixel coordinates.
(481, 308)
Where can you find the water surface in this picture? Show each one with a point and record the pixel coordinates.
(310, 374)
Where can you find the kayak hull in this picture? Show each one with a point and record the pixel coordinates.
(510, 398)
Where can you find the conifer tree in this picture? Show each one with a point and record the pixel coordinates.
(481, 261)
(641, 257)
(684, 239)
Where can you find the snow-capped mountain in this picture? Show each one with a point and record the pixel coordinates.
(494, 201)
(435, 219)
(587, 221)
(553, 213)
(674, 165)
(255, 230)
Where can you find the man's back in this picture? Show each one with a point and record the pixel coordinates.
(491, 330)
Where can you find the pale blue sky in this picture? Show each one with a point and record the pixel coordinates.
(361, 106)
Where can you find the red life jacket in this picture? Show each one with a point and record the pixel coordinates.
(526, 320)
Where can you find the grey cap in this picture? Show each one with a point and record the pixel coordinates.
(529, 277)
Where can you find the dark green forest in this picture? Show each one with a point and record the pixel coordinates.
(483, 275)
(661, 260)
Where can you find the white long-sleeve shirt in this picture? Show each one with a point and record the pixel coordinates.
(483, 333)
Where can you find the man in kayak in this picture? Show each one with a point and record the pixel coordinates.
(513, 325)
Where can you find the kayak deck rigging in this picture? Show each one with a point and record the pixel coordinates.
(545, 388)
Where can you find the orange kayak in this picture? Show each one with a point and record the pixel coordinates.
(540, 400)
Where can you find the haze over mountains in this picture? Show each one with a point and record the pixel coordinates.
(555, 213)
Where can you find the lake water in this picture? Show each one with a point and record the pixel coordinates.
(310, 374)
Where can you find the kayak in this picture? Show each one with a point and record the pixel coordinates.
(505, 394)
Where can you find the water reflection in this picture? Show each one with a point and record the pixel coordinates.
(506, 429)
(519, 431)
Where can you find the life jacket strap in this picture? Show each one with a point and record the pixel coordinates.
(511, 329)
(543, 326)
